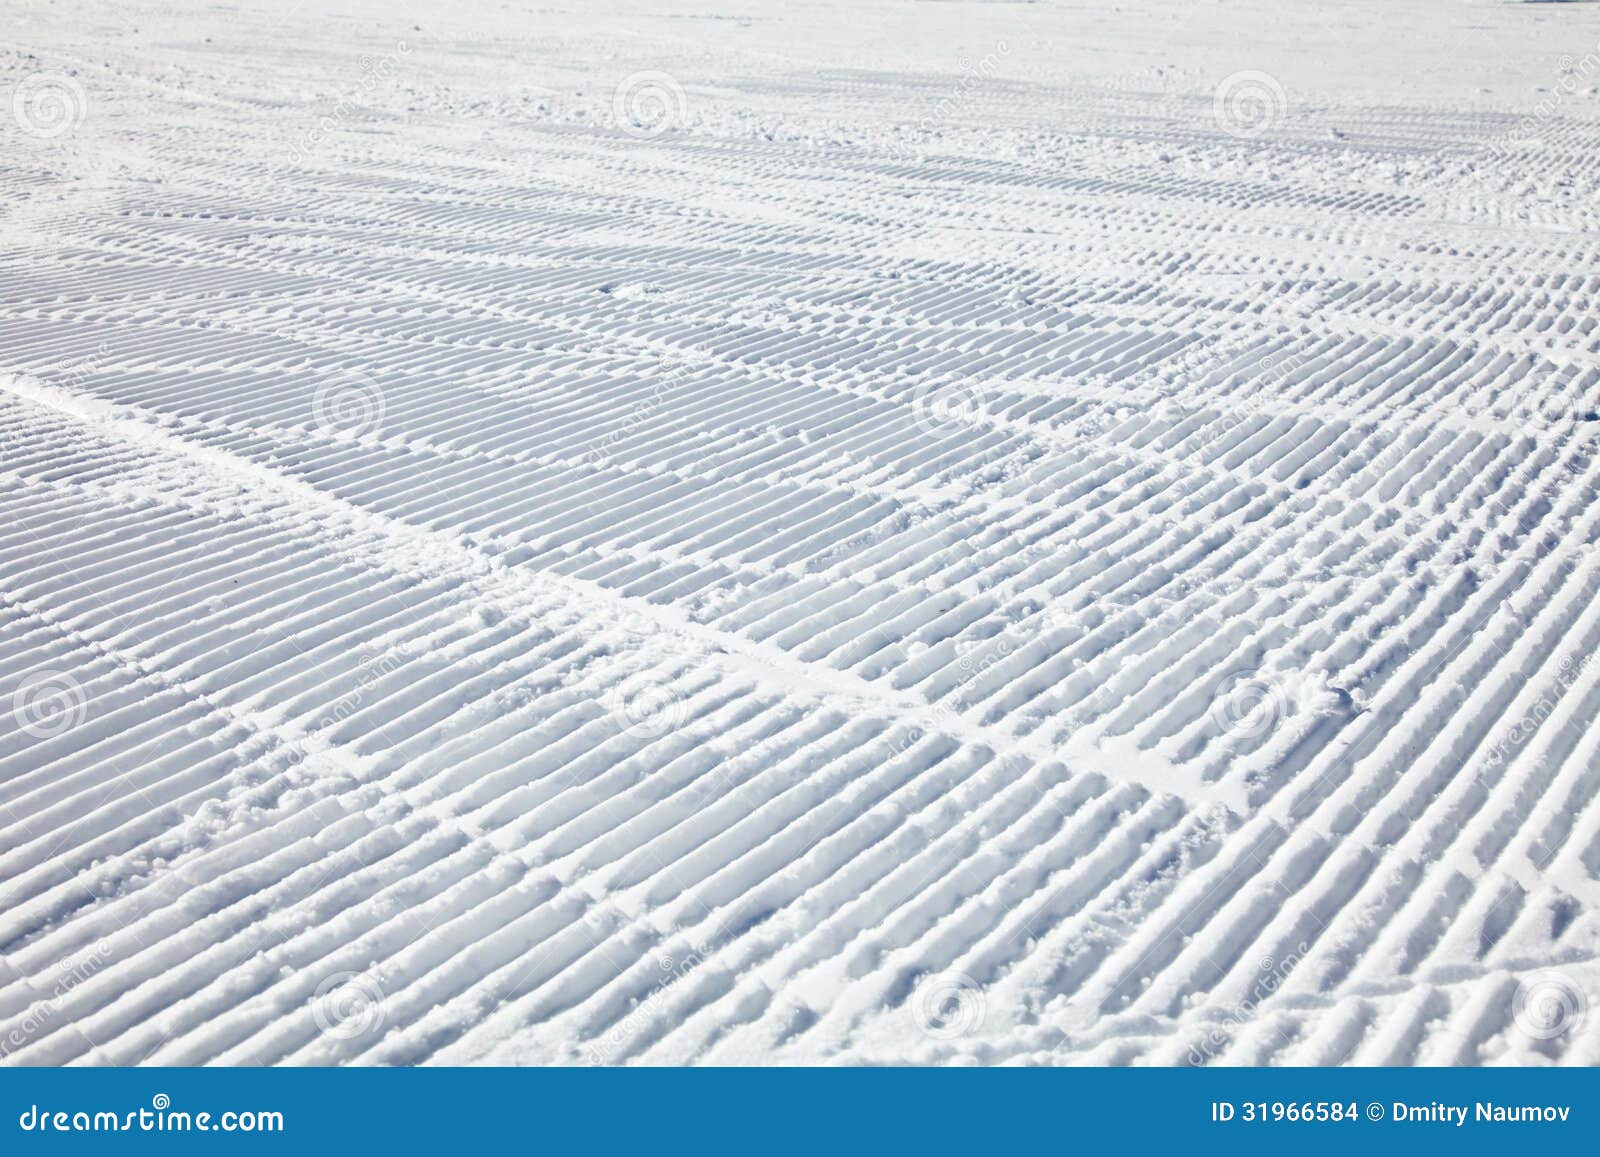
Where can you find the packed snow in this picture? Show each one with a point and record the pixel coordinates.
(732, 532)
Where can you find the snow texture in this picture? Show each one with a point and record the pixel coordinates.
(706, 531)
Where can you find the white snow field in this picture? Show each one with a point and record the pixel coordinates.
(705, 531)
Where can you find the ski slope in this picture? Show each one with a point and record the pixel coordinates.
(716, 532)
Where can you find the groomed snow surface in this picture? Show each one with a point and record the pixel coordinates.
(704, 531)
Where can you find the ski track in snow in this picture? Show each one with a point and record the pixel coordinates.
(918, 561)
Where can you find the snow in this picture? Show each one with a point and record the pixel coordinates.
(681, 532)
